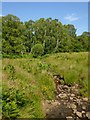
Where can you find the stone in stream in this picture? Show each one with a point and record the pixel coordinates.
(84, 107)
(71, 98)
(72, 95)
(69, 118)
(88, 115)
(62, 96)
(74, 111)
(79, 114)
(85, 99)
(73, 106)
(68, 104)
(83, 114)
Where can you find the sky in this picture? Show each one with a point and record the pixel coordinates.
(75, 13)
(45, 0)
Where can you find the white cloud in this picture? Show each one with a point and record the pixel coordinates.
(1, 15)
(71, 17)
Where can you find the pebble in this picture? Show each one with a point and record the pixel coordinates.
(65, 87)
(74, 111)
(73, 106)
(85, 99)
(79, 114)
(55, 103)
(79, 101)
(72, 95)
(84, 107)
(69, 118)
(62, 95)
(83, 112)
(71, 101)
(88, 115)
(71, 98)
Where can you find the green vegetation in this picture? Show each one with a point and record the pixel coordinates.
(37, 50)
(21, 38)
(29, 81)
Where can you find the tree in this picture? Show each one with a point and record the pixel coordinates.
(37, 50)
(84, 40)
(20, 38)
(13, 31)
(50, 44)
(71, 30)
(29, 35)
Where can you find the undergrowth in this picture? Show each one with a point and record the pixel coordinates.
(29, 81)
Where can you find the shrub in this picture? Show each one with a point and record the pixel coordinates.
(37, 50)
(9, 105)
(12, 101)
(11, 71)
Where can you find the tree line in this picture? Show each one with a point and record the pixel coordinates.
(43, 36)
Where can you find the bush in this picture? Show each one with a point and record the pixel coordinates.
(12, 101)
(37, 50)
(11, 71)
(9, 105)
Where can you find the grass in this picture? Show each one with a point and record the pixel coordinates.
(34, 77)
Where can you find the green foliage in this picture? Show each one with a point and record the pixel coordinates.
(13, 38)
(10, 110)
(12, 100)
(46, 86)
(43, 66)
(34, 81)
(19, 38)
(37, 50)
(11, 71)
(9, 106)
(71, 30)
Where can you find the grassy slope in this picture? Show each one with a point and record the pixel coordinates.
(34, 77)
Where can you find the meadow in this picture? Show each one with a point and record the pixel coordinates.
(28, 81)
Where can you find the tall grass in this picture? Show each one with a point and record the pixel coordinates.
(34, 77)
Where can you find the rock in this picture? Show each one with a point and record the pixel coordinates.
(67, 104)
(62, 92)
(69, 90)
(71, 98)
(62, 95)
(83, 114)
(88, 115)
(73, 106)
(79, 114)
(76, 86)
(47, 111)
(75, 90)
(79, 101)
(74, 99)
(85, 99)
(74, 111)
(84, 107)
(65, 87)
(55, 103)
(77, 118)
(72, 95)
(57, 97)
(79, 108)
(49, 102)
(69, 94)
(69, 118)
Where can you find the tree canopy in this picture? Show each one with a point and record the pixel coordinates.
(19, 37)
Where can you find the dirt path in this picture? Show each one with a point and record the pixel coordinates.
(68, 104)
